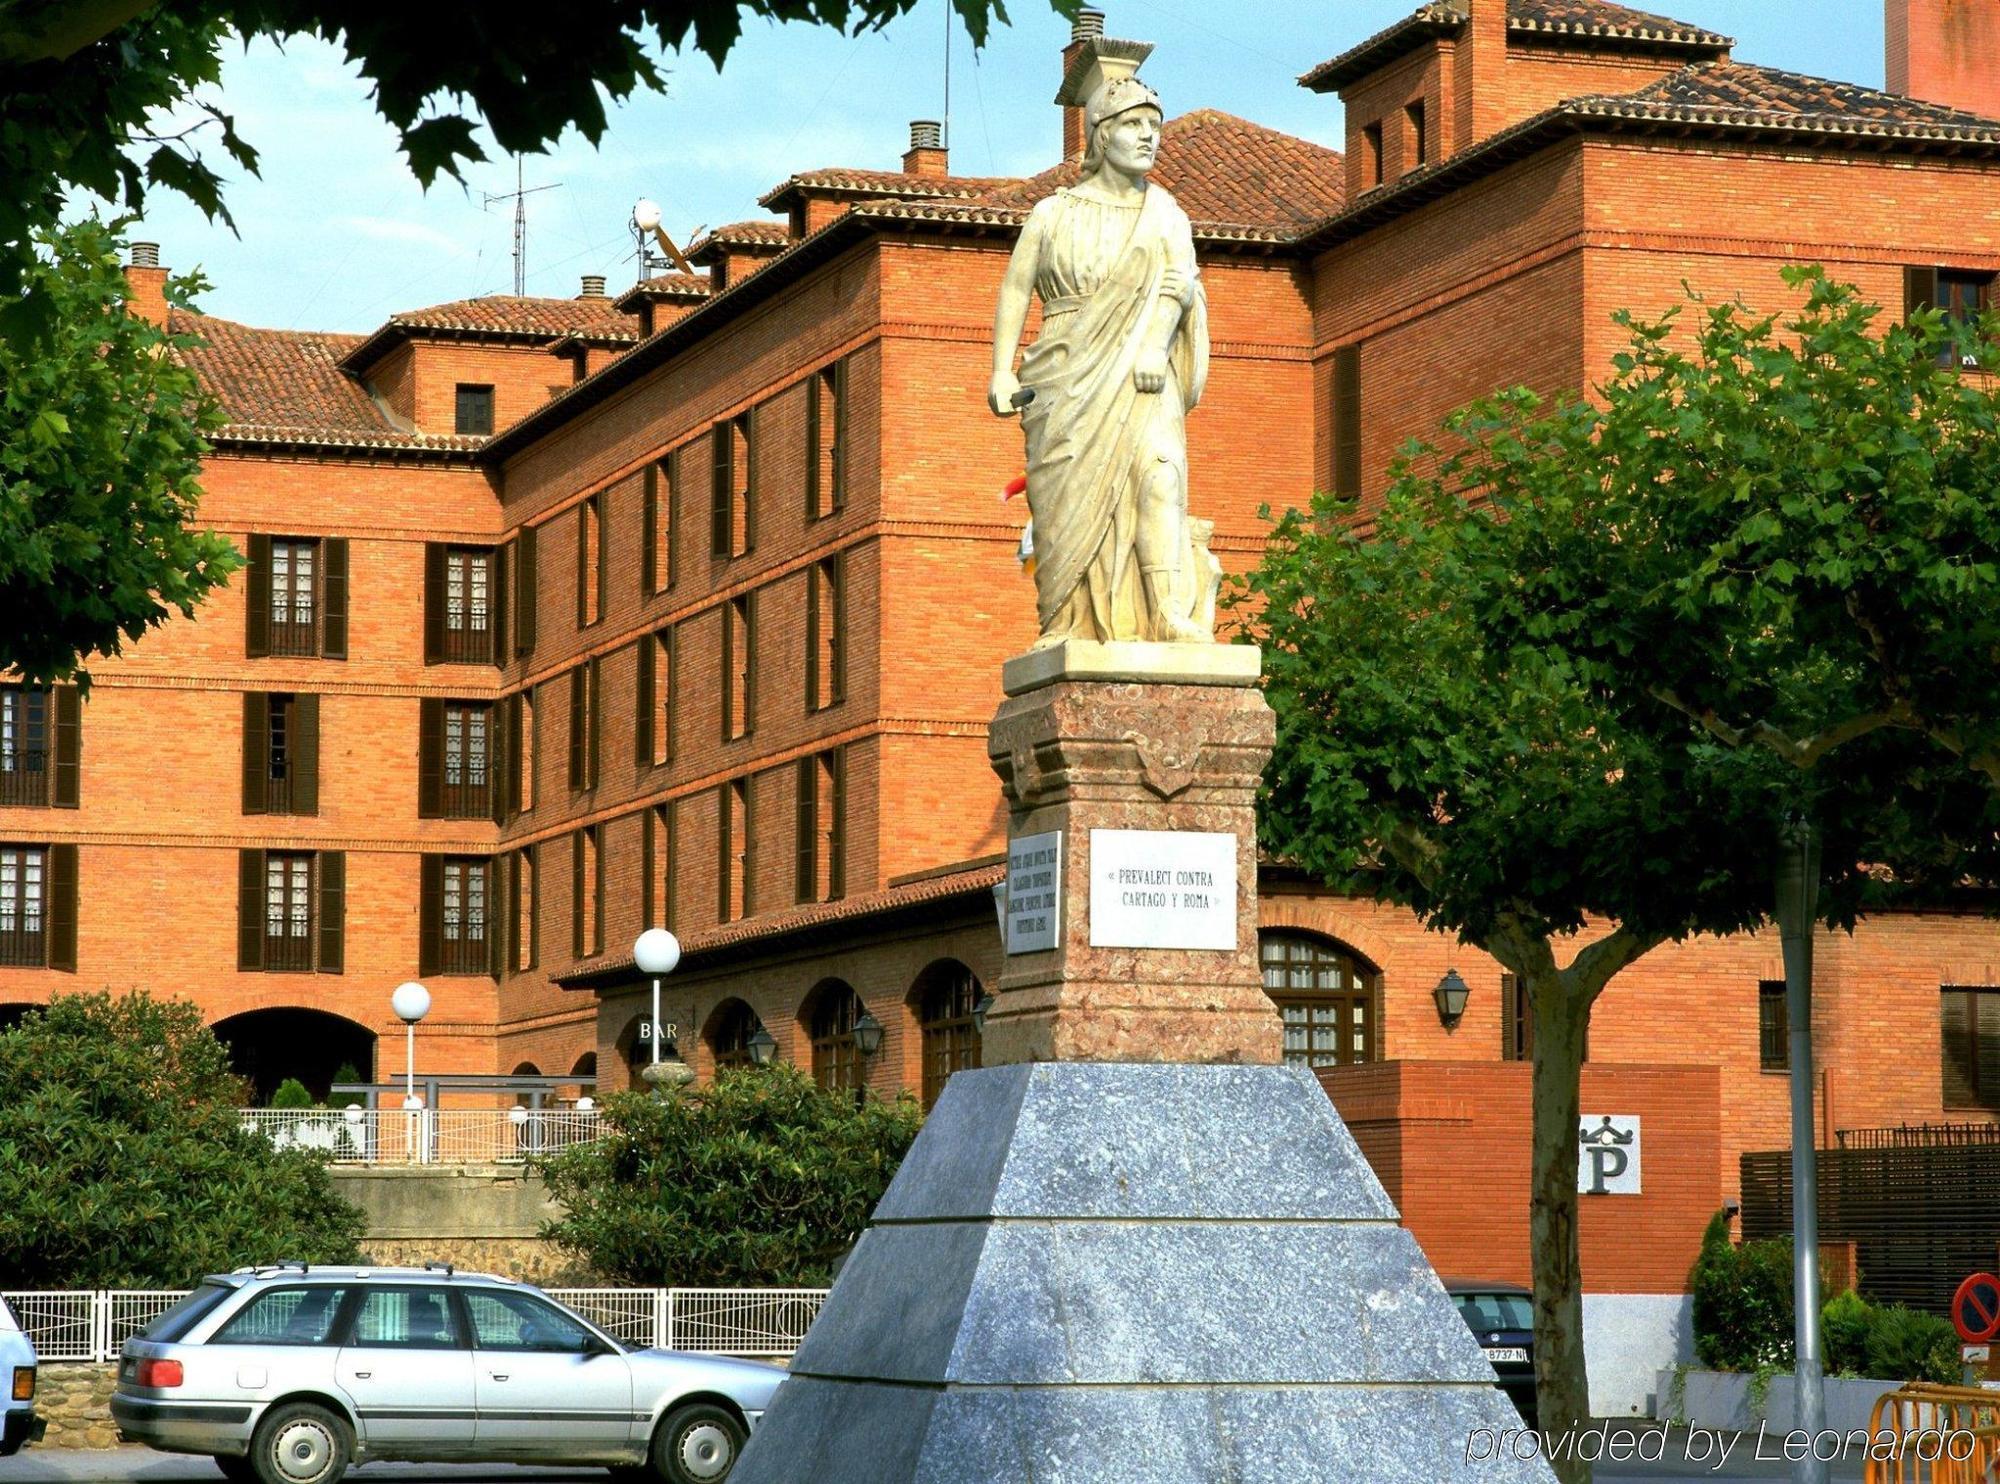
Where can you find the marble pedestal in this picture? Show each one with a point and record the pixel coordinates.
(1090, 1273)
(1133, 737)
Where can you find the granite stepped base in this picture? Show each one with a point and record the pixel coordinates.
(1087, 1272)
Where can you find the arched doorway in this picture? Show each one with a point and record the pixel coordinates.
(267, 1046)
(943, 999)
(1328, 996)
(828, 1016)
(731, 1025)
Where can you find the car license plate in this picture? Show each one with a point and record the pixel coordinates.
(1496, 1354)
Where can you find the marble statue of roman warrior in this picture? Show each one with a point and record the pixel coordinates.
(1104, 391)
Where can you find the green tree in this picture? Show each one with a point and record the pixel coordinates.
(89, 84)
(764, 1177)
(123, 1162)
(100, 446)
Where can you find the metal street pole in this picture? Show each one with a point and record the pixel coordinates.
(1797, 904)
(655, 1036)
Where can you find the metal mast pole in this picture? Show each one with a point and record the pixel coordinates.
(1797, 904)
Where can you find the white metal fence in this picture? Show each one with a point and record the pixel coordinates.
(761, 1323)
(429, 1136)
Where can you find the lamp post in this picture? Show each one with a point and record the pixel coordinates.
(1451, 994)
(656, 952)
(411, 1002)
(1797, 908)
(867, 1034)
(763, 1046)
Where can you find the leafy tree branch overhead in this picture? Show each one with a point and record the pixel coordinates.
(88, 83)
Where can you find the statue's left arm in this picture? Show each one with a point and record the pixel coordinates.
(1179, 291)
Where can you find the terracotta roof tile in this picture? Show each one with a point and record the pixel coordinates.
(278, 378)
(839, 181)
(1585, 22)
(663, 286)
(764, 236)
(492, 317)
(1225, 171)
(1737, 92)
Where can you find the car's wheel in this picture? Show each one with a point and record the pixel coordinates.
(236, 1468)
(697, 1444)
(300, 1443)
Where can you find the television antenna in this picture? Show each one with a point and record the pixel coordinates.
(519, 196)
(645, 225)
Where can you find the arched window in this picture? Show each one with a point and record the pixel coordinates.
(1326, 995)
(729, 1031)
(944, 996)
(527, 1069)
(831, 1011)
(586, 1065)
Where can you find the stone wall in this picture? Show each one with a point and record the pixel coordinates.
(485, 1218)
(76, 1399)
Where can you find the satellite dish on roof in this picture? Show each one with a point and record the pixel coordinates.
(646, 215)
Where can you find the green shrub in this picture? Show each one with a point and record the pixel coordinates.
(762, 1178)
(346, 1072)
(1906, 1345)
(124, 1164)
(1844, 1325)
(1743, 1311)
(291, 1093)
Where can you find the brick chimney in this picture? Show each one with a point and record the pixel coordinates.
(1478, 73)
(1087, 27)
(1945, 51)
(926, 154)
(147, 283)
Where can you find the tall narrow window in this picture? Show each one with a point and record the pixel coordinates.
(23, 905)
(734, 862)
(657, 904)
(27, 752)
(587, 893)
(826, 450)
(1774, 1050)
(732, 527)
(1347, 421)
(821, 827)
(1517, 1021)
(474, 410)
(1418, 139)
(1969, 1023)
(657, 555)
(467, 756)
(583, 726)
(837, 1064)
(294, 597)
(945, 998)
(653, 709)
(469, 605)
(280, 754)
(826, 638)
(288, 914)
(463, 925)
(589, 562)
(524, 866)
(1371, 154)
(739, 667)
(521, 738)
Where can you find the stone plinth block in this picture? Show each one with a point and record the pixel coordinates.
(1078, 754)
(1094, 1271)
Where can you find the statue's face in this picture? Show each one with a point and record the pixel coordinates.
(1131, 140)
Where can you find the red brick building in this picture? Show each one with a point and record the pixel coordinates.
(569, 617)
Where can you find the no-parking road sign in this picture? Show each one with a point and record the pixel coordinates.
(1975, 1309)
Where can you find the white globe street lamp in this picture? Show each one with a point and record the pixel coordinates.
(656, 952)
(411, 1002)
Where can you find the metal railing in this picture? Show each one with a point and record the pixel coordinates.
(757, 1323)
(24, 776)
(1919, 1136)
(425, 1136)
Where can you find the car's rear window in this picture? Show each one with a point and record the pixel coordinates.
(170, 1324)
(284, 1316)
(1496, 1310)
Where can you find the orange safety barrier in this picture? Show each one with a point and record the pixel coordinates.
(1944, 1435)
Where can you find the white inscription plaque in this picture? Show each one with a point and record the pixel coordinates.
(1034, 893)
(1162, 889)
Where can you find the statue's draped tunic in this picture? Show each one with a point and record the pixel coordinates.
(1092, 435)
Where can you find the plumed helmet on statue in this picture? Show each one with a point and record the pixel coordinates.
(1102, 79)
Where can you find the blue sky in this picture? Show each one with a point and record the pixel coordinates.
(336, 233)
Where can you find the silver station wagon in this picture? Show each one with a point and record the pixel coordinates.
(287, 1375)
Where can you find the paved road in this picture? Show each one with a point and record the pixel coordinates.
(1680, 1459)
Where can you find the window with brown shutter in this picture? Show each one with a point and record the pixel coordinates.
(739, 667)
(805, 833)
(464, 923)
(734, 862)
(1517, 1024)
(24, 905)
(583, 726)
(288, 910)
(521, 739)
(656, 888)
(295, 583)
(27, 745)
(461, 604)
(826, 613)
(524, 871)
(330, 869)
(826, 451)
(586, 894)
(656, 563)
(1347, 421)
(280, 753)
(333, 629)
(743, 511)
(818, 827)
(1969, 1027)
(249, 909)
(257, 597)
(465, 762)
(1774, 1030)
(589, 562)
(61, 946)
(524, 592)
(721, 487)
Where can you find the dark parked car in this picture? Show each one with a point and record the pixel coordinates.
(1501, 1317)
